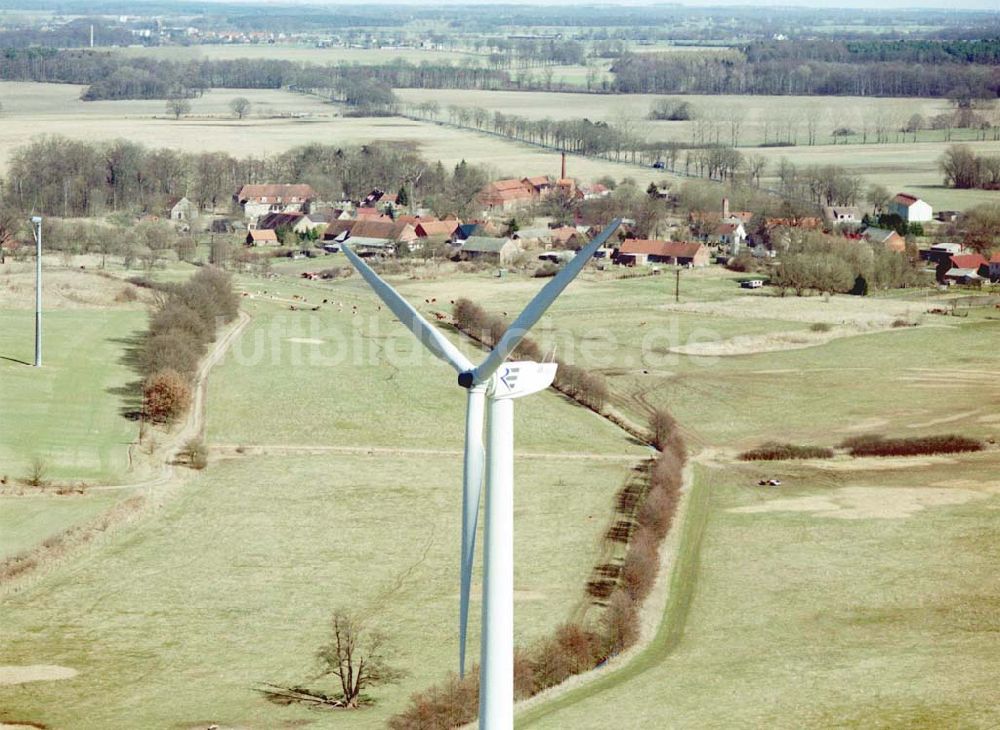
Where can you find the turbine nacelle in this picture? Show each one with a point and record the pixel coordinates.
(518, 379)
(513, 379)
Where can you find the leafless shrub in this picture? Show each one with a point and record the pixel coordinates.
(37, 472)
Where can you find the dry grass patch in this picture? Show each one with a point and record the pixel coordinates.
(858, 503)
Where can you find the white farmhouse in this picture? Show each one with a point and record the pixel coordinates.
(910, 208)
(258, 200)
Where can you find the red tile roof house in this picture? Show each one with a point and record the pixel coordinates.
(566, 237)
(638, 252)
(541, 184)
(263, 237)
(388, 229)
(507, 194)
(257, 200)
(967, 268)
(430, 229)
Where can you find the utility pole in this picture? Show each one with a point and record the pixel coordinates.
(677, 285)
(37, 230)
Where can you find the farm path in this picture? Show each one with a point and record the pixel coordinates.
(194, 423)
(285, 449)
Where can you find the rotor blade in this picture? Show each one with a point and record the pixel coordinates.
(472, 486)
(537, 306)
(433, 340)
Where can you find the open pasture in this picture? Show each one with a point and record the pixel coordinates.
(232, 585)
(27, 520)
(315, 372)
(271, 129)
(862, 599)
(861, 375)
(912, 168)
(353, 502)
(69, 412)
(752, 113)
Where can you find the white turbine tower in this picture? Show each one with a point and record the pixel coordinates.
(491, 389)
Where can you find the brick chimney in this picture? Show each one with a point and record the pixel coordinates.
(725, 207)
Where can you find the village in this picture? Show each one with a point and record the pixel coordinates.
(512, 230)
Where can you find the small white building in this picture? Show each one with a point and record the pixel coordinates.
(911, 208)
(842, 215)
(729, 233)
(183, 210)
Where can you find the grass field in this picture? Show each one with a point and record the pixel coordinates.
(29, 519)
(69, 411)
(821, 619)
(281, 120)
(358, 483)
(232, 585)
(31, 110)
(861, 593)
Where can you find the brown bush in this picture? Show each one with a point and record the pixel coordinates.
(524, 674)
(128, 294)
(641, 564)
(620, 623)
(194, 453)
(570, 651)
(657, 511)
(453, 704)
(171, 350)
(773, 451)
(663, 428)
(166, 395)
(667, 471)
(916, 446)
(175, 315)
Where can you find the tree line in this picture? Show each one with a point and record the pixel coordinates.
(113, 76)
(963, 168)
(181, 327)
(731, 72)
(980, 51)
(57, 176)
(827, 264)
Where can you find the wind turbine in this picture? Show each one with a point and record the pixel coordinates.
(491, 388)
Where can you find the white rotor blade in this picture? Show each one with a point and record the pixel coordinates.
(433, 340)
(472, 487)
(537, 306)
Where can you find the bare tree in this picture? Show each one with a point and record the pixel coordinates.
(358, 656)
(178, 106)
(240, 106)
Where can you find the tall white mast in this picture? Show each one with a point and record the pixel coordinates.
(491, 387)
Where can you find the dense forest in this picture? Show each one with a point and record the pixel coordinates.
(111, 76)
(732, 73)
(74, 34)
(986, 51)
